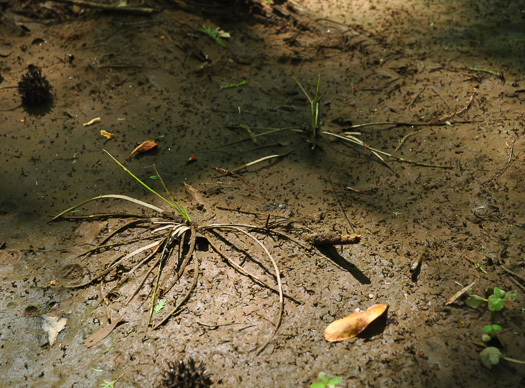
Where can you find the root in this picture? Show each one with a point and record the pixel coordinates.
(186, 297)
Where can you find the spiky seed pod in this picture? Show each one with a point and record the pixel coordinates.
(186, 374)
(34, 88)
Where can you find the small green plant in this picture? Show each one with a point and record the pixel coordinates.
(110, 384)
(491, 356)
(323, 381)
(214, 34)
(160, 306)
(314, 105)
(490, 332)
(495, 301)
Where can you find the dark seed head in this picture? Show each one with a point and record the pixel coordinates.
(34, 88)
(186, 374)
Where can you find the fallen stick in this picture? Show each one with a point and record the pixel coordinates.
(332, 238)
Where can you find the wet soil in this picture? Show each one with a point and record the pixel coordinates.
(426, 231)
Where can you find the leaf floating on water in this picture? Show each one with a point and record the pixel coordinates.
(354, 324)
(144, 147)
(107, 134)
(52, 326)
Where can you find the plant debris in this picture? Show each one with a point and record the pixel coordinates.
(354, 324)
(52, 326)
(92, 121)
(34, 88)
(143, 147)
(107, 134)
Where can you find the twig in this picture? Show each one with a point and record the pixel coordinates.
(458, 294)
(228, 172)
(417, 96)
(259, 161)
(521, 287)
(508, 271)
(456, 113)
(108, 7)
(507, 165)
(442, 99)
(332, 238)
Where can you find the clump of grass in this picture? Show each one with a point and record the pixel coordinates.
(314, 105)
(323, 381)
(214, 34)
(173, 238)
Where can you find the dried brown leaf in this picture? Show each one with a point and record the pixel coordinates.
(354, 324)
(144, 147)
(192, 158)
(100, 334)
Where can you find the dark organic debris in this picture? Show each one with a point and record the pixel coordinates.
(34, 88)
(188, 374)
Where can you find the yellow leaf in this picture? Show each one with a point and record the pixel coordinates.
(353, 324)
(106, 134)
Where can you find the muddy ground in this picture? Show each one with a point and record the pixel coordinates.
(426, 231)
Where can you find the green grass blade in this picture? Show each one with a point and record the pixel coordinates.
(173, 205)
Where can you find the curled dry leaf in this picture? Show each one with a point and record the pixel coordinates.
(192, 158)
(107, 134)
(145, 146)
(354, 324)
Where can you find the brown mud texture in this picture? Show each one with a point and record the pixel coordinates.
(419, 149)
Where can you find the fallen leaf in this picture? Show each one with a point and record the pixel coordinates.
(107, 134)
(52, 326)
(91, 122)
(144, 147)
(99, 335)
(354, 324)
(192, 158)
